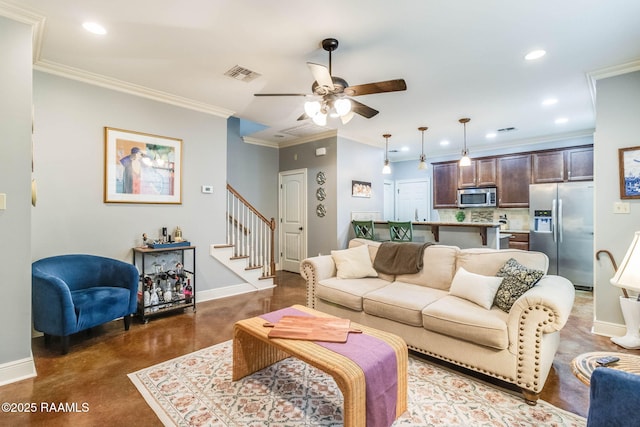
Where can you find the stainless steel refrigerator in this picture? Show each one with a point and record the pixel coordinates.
(561, 226)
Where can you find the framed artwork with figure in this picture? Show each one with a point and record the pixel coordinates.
(629, 163)
(141, 167)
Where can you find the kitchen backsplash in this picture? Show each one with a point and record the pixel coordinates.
(517, 219)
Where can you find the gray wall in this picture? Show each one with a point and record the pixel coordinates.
(15, 178)
(69, 150)
(252, 170)
(617, 125)
(321, 232)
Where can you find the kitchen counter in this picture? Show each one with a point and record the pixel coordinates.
(493, 227)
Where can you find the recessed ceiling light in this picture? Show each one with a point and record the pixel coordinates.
(405, 148)
(549, 101)
(561, 120)
(444, 142)
(95, 28)
(491, 135)
(535, 54)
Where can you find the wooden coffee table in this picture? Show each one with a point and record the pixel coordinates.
(584, 365)
(254, 350)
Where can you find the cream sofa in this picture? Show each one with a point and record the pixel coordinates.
(517, 347)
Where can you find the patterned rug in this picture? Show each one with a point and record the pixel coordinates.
(196, 390)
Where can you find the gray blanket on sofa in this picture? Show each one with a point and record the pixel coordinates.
(400, 258)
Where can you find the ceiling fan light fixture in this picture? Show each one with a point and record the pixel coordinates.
(320, 119)
(311, 108)
(342, 106)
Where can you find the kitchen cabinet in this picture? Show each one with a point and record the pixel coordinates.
(579, 164)
(572, 164)
(513, 179)
(519, 241)
(480, 173)
(445, 185)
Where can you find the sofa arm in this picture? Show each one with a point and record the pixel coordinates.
(313, 270)
(53, 310)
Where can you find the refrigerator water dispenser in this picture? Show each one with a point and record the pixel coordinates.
(542, 221)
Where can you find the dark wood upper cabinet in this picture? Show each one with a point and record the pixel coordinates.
(480, 173)
(579, 164)
(548, 167)
(572, 164)
(514, 177)
(445, 185)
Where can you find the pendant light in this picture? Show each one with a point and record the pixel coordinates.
(465, 160)
(386, 170)
(423, 164)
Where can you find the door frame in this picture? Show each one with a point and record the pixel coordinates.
(303, 207)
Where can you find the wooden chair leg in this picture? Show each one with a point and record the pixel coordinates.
(127, 322)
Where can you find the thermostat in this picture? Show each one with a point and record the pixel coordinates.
(207, 189)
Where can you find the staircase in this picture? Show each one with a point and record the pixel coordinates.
(249, 249)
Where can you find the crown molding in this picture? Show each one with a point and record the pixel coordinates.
(130, 88)
(332, 133)
(29, 17)
(261, 142)
(604, 73)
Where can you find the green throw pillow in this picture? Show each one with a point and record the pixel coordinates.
(518, 279)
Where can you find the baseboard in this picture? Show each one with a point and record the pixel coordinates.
(17, 370)
(608, 329)
(227, 291)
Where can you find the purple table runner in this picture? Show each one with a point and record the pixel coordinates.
(376, 359)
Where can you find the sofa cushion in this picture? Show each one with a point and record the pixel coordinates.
(474, 287)
(488, 261)
(353, 263)
(438, 268)
(401, 302)
(517, 279)
(347, 292)
(459, 318)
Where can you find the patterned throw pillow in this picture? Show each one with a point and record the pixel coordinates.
(518, 279)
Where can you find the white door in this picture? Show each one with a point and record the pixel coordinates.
(412, 200)
(293, 219)
(389, 200)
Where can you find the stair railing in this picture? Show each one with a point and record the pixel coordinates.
(250, 233)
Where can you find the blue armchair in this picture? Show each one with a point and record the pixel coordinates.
(614, 399)
(71, 293)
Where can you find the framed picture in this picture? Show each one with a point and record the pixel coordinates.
(629, 161)
(360, 189)
(141, 168)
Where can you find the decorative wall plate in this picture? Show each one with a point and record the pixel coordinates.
(321, 178)
(321, 194)
(321, 210)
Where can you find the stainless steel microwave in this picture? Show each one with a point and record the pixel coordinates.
(479, 197)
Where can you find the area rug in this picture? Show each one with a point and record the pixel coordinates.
(196, 390)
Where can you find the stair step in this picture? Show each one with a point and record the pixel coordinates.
(253, 267)
(273, 276)
(222, 246)
(240, 257)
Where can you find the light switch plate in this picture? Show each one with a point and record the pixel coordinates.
(3, 201)
(207, 189)
(621, 208)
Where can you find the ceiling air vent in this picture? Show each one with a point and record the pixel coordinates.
(242, 74)
(509, 129)
(304, 129)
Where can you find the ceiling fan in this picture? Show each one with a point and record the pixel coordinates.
(334, 93)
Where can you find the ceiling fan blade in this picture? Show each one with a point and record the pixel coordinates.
(281, 94)
(321, 75)
(304, 116)
(363, 110)
(379, 87)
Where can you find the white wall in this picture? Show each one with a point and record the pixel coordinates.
(15, 177)
(71, 217)
(617, 126)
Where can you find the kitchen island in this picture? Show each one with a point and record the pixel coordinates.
(461, 234)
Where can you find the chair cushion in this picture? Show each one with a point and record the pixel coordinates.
(459, 318)
(347, 292)
(98, 305)
(401, 302)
